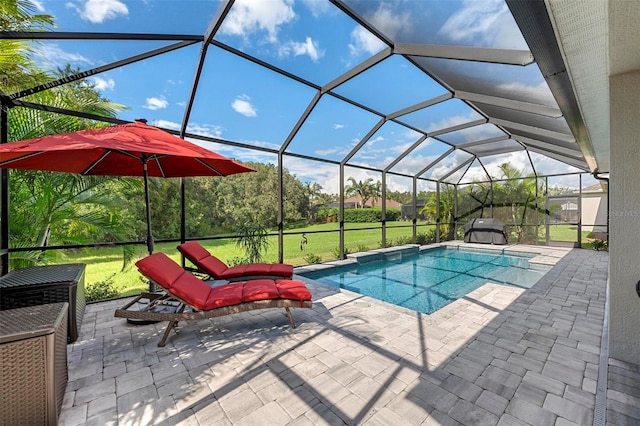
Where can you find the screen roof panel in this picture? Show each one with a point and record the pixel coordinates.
(475, 173)
(332, 130)
(441, 116)
(385, 145)
(478, 23)
(492, 148)
(247, 110)
(534, 120)
(518, 160)
(420, 157)
(447, 165)
(270, 61)
(294, 37)
(519, 83)
(391, 85)
(473, 134)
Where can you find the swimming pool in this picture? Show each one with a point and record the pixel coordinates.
(427, 281)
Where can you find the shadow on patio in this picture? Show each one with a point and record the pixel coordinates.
(500, 355)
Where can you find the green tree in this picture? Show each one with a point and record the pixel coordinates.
(447, 206)
(364, 189)
(50, 208)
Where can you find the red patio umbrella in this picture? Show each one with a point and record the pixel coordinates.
(134, 149)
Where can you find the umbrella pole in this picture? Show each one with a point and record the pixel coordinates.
(145, 175)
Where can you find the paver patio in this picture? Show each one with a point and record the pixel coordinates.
(500, 355)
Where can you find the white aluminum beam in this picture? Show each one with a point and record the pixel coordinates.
(477, 54)
(510, 104)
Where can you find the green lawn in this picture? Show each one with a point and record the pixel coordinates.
(106, 263)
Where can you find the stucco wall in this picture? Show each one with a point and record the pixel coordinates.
(594, 211)
(624, 219)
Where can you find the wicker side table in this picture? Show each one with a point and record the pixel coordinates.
(40, 285)
(33, 371)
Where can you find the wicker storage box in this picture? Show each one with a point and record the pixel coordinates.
(40, 285)
(33, 371)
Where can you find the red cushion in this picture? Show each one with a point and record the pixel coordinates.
(224, 295)
(259, 290)
(293, 289)
(257, 269)
(160, 269)
(201, 257)
(192, 290)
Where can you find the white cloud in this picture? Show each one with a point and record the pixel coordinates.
(454, 120)
(98, 11)
(37, 5)
(308, 47)
(250, 16)
(156, 103)
(517, 159)
(338, 126)
(242, 105)
(483, 23)
(540, 94)
(51, 55)
(203, 130)
(319, 7)
(362, 41)
(102, 84)
(389, 23)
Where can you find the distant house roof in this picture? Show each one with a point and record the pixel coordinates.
(353, 202)
(593, 188)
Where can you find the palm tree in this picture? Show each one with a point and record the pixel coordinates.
(52, 207)
(519, 194)
(362, 188)
(447, 206)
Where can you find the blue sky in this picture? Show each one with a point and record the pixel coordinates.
(241, 101)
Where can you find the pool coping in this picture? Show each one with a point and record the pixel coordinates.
(544, 256)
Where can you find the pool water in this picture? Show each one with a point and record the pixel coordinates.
(434, 278)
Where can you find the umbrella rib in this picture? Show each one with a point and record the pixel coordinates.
(156, 158)
(22, 157)
(95, 163)
(209, 167)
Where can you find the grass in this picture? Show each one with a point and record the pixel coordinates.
(107, 263)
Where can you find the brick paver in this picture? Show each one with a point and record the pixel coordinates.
(499, 356)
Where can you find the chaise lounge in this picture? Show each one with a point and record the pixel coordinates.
(217, 269)
(190, 298)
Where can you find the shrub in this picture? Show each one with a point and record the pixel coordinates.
(424, 238)
(101, 290)
(336, 252)
(393, 214)
(311, 258)
(389, 243)
(237, 260)
(361, 247)
(253, 237)
(362, 215)
(400, 241)
(600, 245)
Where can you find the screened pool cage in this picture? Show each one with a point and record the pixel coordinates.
(426, 115)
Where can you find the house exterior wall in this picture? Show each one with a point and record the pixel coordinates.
(594, 211)
(624, 217)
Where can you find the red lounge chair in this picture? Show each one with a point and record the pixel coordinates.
(218, 270)
(184, 290)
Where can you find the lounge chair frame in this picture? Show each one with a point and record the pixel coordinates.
(168, 307)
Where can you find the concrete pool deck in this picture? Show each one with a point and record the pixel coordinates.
(500, 355)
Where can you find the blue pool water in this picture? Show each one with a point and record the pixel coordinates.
(434, 278)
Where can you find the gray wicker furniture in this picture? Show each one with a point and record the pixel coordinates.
(33, 371)
(40, 285)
